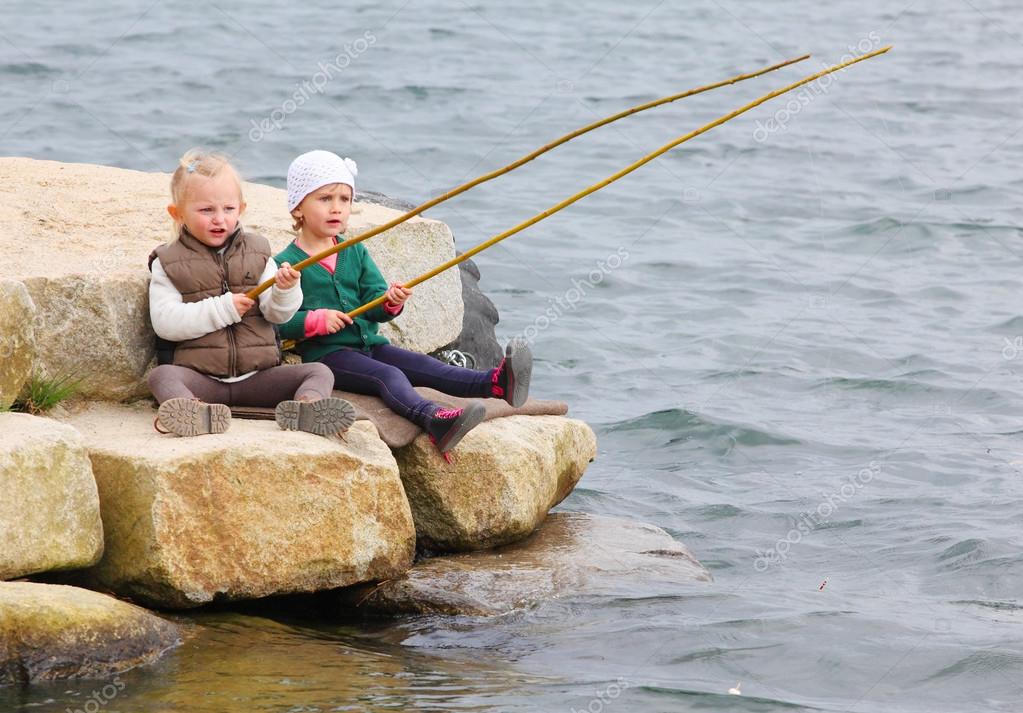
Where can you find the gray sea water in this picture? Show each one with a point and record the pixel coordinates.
(806, 361)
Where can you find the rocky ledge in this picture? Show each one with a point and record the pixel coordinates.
(570, 555)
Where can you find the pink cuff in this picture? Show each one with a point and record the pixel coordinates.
(316, 323)
(391, 308)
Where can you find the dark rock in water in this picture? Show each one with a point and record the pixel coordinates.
(571, 554)
(381, 199)
(50, 632)
(478, 338)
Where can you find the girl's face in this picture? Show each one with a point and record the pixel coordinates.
(211, 208)
(326, 210)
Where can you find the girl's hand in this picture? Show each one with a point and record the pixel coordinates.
(336, 321)
(396, 294)
(287, 276)
(242, 303)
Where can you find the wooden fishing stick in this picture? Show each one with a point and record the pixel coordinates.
(313, 259)
(614, 177)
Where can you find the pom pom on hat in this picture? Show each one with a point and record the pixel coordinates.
(317, 169)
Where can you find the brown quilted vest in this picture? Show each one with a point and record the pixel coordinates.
(198, 272)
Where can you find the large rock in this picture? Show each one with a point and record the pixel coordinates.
(250, 513)
(94, 328)
(49, 631)
(49, 509)
(506, 475)
(571, 554)
(17, 340)
(92, 228)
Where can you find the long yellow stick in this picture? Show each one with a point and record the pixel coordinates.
(615, 176)
(313, 259)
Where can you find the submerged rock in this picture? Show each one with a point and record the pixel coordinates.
(250, 513)
(49, 509)
(571, 554)
(49, 632)
(506, 475)
(17, 339)
(90, 292)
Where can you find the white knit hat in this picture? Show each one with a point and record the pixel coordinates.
(317, 169)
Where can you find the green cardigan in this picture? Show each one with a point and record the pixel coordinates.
(356, 281)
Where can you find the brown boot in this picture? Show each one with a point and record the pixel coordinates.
(191, 417)
(324, 417)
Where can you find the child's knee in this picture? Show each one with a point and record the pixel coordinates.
(389, 373)
(160, 375)
(320, 370)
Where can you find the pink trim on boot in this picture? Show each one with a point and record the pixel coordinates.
(445, 413)
(495, 390)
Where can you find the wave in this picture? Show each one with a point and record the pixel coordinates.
(720, 701)
(988, 604)
(679, 424)
(894, 385)
(28, 69)
(962, 553)
(420, 91)
(981, 662)
(1013, 326)
(929, 383)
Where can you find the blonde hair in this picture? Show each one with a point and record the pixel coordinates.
(197, 162)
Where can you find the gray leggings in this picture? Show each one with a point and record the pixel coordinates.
(265, 388)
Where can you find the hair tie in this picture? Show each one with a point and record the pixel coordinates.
(191, 167)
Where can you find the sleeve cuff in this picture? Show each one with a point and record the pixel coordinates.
(393, 309)
(231, 313)
(316, 323)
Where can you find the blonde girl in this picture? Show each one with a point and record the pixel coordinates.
(217, 348)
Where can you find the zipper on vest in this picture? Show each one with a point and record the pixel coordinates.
(232, 348)
(232, 351)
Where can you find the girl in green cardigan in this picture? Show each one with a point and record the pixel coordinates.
(320, 189)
